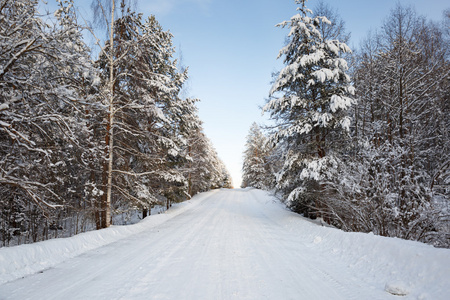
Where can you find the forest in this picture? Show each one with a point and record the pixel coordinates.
(357, 139)
(360, 139)
(86, 142)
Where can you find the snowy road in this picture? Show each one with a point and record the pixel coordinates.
(234, 244)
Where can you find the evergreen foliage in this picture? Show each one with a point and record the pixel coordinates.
(257, 170)
(60, 115)
(309, 101)
(387, 170)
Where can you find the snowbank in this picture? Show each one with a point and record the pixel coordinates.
(400, 267)
(19, 261)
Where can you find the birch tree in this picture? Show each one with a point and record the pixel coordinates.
(390, 181)
(106, 15)
(407, 126)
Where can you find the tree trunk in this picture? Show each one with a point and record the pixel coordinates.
(107, 207)
(190, 171)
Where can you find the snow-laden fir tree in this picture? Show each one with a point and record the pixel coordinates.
(151, 120)
(309, 102)
(203, 169)
(45, 77)
(199, 171)
(256, 170)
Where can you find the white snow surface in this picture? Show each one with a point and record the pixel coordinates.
(225, 244)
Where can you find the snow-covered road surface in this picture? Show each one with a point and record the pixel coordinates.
(241, 244)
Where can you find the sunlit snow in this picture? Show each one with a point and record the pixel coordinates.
(225, 244)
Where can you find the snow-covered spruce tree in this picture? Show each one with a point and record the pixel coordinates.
(198, 166)
(201, 170)
(80, 155)
(309, 102)
(43, 82)
(256, 168)
(224, 179)
(151, 120)
(221, 178)
(210, 171)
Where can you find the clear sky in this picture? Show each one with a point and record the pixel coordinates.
(231, 48)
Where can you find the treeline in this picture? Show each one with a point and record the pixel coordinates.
(84, 140)
(361, 139)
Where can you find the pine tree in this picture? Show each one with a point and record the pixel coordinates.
(152, 122)
(44, 130)
(200, 168)
(256, 168)
(309, 102)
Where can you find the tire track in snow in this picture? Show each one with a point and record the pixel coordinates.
(230, 246)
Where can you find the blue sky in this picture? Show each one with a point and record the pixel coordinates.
(231, 48)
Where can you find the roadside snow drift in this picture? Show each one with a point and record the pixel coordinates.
(19, 261)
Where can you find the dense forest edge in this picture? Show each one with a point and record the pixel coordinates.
(86, 143)
(360, 139)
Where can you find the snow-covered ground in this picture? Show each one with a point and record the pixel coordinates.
(225, 244)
